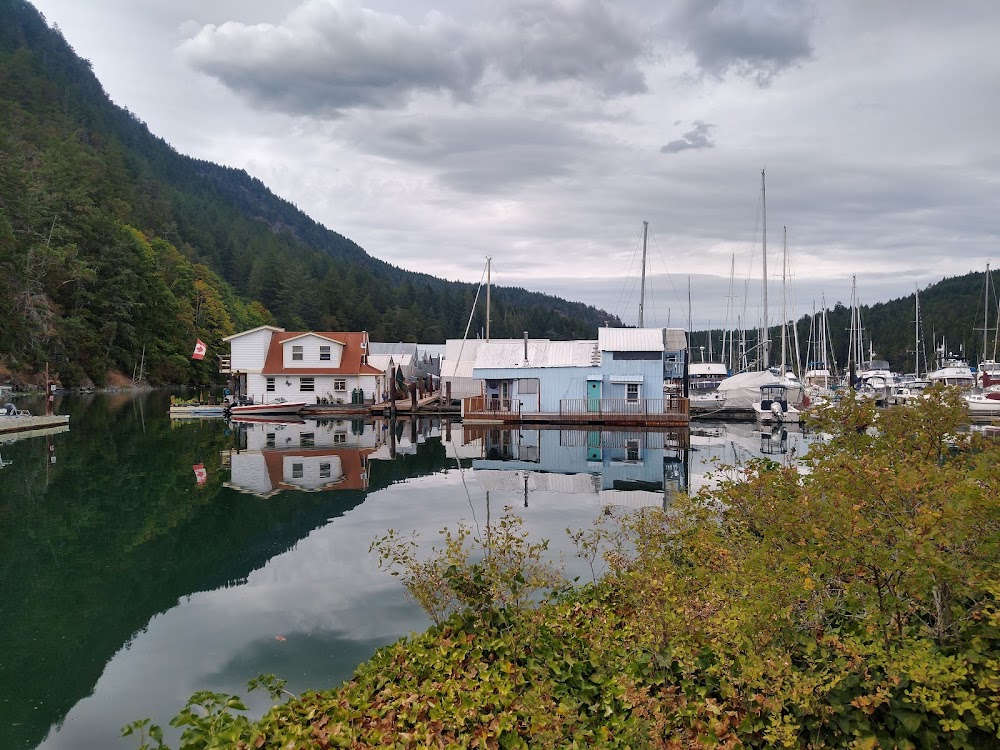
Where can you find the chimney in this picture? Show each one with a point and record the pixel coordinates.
(525, 347)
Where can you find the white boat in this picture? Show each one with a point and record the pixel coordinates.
(983, 404)
(953, 371)
(742, 390)
(278, 406)
(773, 405)
(704, 377)
(196, 410)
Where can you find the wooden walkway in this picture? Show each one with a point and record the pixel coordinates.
(429, 404)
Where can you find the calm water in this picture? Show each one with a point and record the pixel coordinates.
(143, 559)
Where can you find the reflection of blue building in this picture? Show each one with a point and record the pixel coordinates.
(633, 468)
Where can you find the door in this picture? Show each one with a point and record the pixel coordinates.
(593, 395)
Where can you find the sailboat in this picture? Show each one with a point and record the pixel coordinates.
(742, 392)
(988, 372)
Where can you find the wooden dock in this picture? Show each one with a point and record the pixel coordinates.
(429, 404)
(23, 426)
(665, 412)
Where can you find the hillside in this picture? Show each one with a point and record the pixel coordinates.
(115, 249)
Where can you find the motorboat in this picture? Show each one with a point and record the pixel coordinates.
(773, 406)
(246, 407)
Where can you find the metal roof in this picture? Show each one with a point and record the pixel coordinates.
(630, 339)
(460, 355)
(510, 354)
(674, 339)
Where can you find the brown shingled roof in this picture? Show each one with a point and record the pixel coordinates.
(350, 362)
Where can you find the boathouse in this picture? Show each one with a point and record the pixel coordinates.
(617, 379)
(266, 363)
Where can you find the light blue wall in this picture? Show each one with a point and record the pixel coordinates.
(557, 383)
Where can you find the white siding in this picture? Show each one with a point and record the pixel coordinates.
(310, 353)
(250, 351)
(288, 387)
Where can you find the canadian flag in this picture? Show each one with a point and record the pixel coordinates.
(199, 350)
(200, 473)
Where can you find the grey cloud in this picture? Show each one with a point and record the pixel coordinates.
(475, 156)
(574, 40)
(754, 39)
(328, 56)
(696, 138)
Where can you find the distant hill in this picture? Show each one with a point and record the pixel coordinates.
(116, 251)
(952, 310)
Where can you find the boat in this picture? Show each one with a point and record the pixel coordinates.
(182, 411)
(739, 392)
(983, 404)
(952, 370)
(704, 377)
(246, 407)
(773, 405)
(275, 419)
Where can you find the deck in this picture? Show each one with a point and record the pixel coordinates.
(670, 411)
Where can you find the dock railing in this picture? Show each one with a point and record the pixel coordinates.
(481, 404)
(615, 407)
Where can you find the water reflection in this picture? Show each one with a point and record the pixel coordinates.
(159, 557)
(622, 467)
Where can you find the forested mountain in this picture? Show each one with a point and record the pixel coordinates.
(952, 310)
(116, 249)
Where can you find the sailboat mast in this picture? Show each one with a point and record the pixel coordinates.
(489, 263)
(916, 332)
(765, 343)
(784, 303)
(986, 312)
(642, 288)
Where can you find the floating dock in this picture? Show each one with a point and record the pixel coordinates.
(24, 426)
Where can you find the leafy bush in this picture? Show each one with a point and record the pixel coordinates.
(852, 604)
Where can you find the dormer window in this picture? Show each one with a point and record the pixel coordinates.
(296, 353)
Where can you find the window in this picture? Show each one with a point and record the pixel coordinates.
(270, 384)
(632, 392)
(632, 450)
(270, 440)
(527, 385)
(340, 384)
(307, 440)
(339, 437)
(324, 353)
(296, 471)
(307, 384)
(324, 471)
(297, 353)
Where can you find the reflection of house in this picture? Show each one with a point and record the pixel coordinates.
(305, 456)
(618, 377)
(624, 467)
(267, 362)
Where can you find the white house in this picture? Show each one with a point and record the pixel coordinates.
(323, 367)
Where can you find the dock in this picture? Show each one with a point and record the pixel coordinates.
(666, 412)
(429, 404)
(25, 426)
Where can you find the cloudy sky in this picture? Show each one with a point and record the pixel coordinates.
(544, 132)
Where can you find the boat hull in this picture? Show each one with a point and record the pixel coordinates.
(288, 407)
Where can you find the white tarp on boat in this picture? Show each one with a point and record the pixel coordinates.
(742, 391)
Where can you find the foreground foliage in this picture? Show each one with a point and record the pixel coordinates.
(855, 604)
